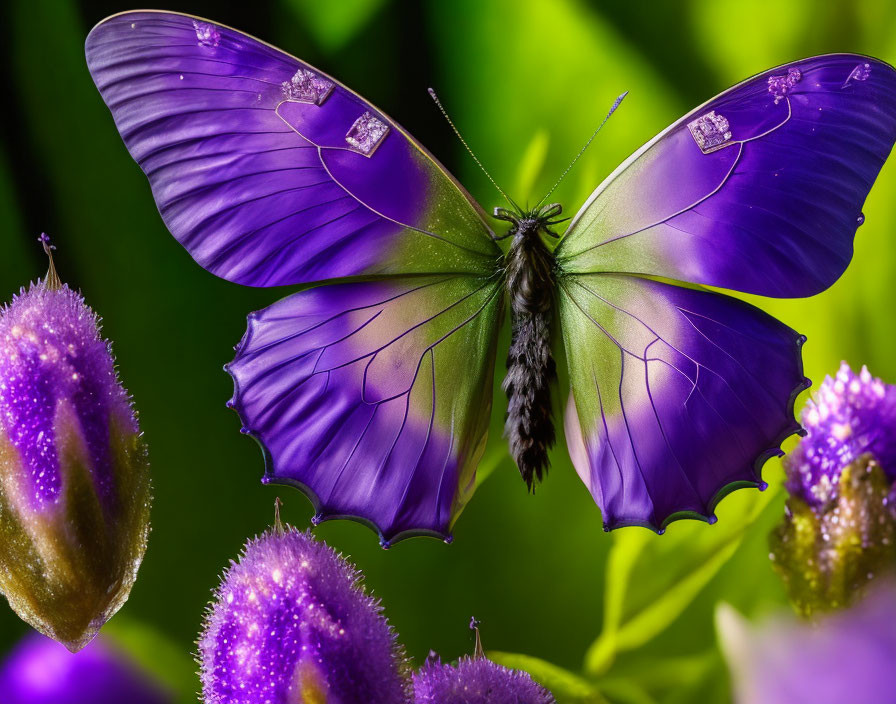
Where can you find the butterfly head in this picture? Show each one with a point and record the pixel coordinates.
(542, 219)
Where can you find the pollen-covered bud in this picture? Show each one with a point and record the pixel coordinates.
(840, 528)
(475, 680)
(74, 478)
(291, 623)
(40, 671)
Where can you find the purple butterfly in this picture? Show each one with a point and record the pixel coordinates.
(373, 396)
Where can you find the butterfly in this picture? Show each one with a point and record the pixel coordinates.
(371, 391)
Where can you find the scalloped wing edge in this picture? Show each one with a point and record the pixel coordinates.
(793, 428)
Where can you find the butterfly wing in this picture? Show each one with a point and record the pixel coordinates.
(268, 171)
(758, 190)
(679, 395)
(374, 397)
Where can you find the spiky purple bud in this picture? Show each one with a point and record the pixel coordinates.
(840, 528)
(74, 479)
(291, 622)
(475, 680)
(849, 416)
(41, 671)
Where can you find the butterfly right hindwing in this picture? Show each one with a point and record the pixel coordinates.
(678, 395)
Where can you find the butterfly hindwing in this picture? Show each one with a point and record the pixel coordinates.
(374, 397)
(758, 190)
(678, 394)
(268, 171)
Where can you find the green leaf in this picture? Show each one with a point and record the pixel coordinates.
(627, 546)
(334, 24)
(566, 686)
(651, 580)
(624, 690)
(531, 166)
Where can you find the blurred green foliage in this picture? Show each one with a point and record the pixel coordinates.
(624, 617)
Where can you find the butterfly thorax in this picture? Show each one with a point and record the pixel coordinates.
(529, 277)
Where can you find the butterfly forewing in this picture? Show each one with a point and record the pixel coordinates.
(758, 190)
(270, 172)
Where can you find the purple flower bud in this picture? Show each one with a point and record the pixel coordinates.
(475, 680)
(845, 657)
(849, 416)
(291, 622)
(74, 482)
(840, 528)
(40, 671)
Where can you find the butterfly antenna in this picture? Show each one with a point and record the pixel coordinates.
(582, 150)
(433, 95)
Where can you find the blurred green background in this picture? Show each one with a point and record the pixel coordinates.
(526, 81)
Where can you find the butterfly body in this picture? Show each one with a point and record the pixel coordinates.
(530, 269)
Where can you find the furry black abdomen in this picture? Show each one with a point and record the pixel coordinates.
(529, 427)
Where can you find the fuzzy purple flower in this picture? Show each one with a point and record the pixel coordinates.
(74, 482)
(475, 680)
(849, 416)
(840, 529)
(41, 671)
(849, 656)
(291, 623)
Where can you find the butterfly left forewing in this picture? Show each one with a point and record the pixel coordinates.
(679, 395)
(374, 397)
(758, 190)
(268, 171)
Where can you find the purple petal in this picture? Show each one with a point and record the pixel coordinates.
(476, 681)
(53, 356)
(849, 415)
(846, 657)
(41, 671)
